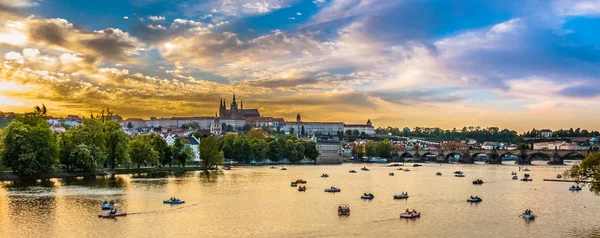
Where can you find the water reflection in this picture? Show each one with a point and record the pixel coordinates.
(259, 202)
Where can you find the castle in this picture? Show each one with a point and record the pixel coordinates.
(235, 112)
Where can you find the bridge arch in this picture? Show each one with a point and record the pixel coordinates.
(474, 155)
(427, 155)
(574, 154)
(450, 156)
(539, 154)
(406, 155)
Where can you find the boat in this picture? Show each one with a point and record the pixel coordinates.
(333, 190)
(575, 188)
(293, 184)
(108, 206)
(477, 181)
(273, 167)
(513, 173)
(529, 216)
(324, 175)
(438, 174)
(300, 181)
(367, 196)
(352, 171)
(284, 168)
(459, 175)
(515, 177)
(301, 188)
(391, 174)
(343, 210)
(458, 172)
(474, 199)
(118, 214)
(399, 169)
(406, 170)
(527, 179)
(410, 215)
(365, 169)
(395, 165)
(401, 196)
(526, 170)
(226, 168)
(173, 202)
(417, 165)
(558, 176)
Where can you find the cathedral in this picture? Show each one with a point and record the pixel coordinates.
(235, 112)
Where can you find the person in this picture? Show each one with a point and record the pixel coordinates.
(414, 211)
(112, 202)
(105, 202)
(471, 196)
(476, 197)
(407, 211)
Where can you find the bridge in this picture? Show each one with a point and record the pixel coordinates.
(555, 157)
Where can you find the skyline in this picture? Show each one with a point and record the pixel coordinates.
(509, 64)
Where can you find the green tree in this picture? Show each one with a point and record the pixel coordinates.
(87, 158)
(140, 151)
(256, 133)
(355, 133)
(260, 148)
(291, 130)
(180, 153)
(302, 132)
(115, 141)
(161, 147)
(209, 152)
(587, 170)
(28, 145)
(522, 146)
(384, 148)
(311, 151)
(275, 151)
(349, 132)
(299, 147)
(129, 125)
(246, 128)
(371, 149)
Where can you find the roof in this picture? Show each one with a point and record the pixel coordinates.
(357, 125)
(545, 130)
(314, 122)
(250, 113)
(453, 144)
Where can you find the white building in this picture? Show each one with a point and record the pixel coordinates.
(489, 146)
(194, 144)
(312, 128)
(367, 128)
(329, 153)
(215, 127)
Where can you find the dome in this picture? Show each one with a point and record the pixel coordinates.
(406, 129)
(594, 140)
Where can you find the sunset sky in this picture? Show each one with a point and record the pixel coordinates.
(518, 64)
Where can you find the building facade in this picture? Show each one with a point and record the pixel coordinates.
(329, 153)
(234, 111)
(366, 128)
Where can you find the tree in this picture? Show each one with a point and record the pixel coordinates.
(384, 148)
(260, 148)
(371, 149)
(181, 153)
(311, 151)
(246, 128)
(140, 151)
(209, 152)
(349, 132)
(161, 147)
(129, 125)
(115, 141)
(299, 147)
(358, 153)
(275, 151)
(291, 130)
(256, 133)
(587, 170)
(302, 132)
(289, 151)
(355, 133)
(28, 144)
(87, 158)
(522, 146)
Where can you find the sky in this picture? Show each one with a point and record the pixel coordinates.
(403, 63)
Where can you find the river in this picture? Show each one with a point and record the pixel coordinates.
(259, 202)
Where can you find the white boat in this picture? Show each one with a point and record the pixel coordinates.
(333, 190)
(273, 167)
(459, 175)
(515, 177)
(410, 214)
(526, 179)
(526, 170)
(474, 200)
(368, 196)
(283, 168)
(400, 196)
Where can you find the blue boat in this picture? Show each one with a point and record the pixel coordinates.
(176, 201)
(367, 196)
(475, 199)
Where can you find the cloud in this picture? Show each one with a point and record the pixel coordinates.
(125, 17)
(236, 8)
(299, 13)
(577, 8)
(291, 18)
(583, 91)
(156, 18)
(19, 3)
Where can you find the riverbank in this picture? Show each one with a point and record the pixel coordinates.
(10, 176)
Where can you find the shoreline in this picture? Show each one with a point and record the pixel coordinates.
(10, 176)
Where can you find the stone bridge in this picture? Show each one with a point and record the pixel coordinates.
(493, 156)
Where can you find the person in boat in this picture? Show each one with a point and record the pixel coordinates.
(407, 211)
(414, 211)
(476, 197)
(113, 210)
(339, 208)
(112, 202)
(471, 196)
(104, 203)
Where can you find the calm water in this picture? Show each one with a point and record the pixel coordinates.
(259, 202)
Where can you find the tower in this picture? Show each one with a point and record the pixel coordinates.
(369, 122)
(233, 104)
(298, 118)
(242, 105)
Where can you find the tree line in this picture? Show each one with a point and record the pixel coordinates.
(381, 149)
(257, 146)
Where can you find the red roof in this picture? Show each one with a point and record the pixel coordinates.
(453, 144)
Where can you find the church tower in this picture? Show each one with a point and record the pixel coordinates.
(298, 118)
(234, 107)
(369, 122)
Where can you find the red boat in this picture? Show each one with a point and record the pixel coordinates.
(112, 215)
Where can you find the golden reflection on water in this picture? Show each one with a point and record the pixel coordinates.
(259, 202)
